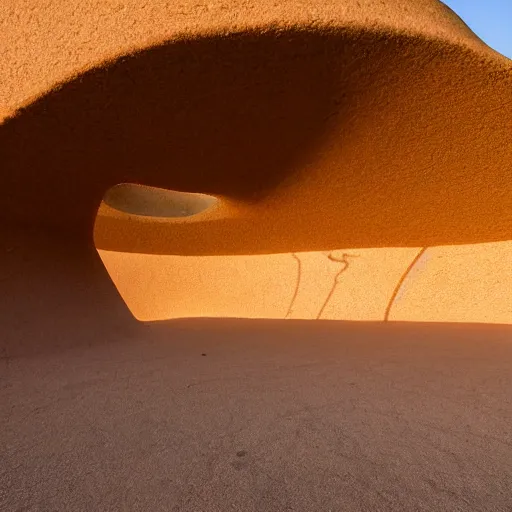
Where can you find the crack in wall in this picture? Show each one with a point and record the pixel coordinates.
(344, 261)
(331, 257)
(296, 292)
(346, 264)
(401, 282)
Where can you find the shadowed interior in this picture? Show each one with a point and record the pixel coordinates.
(276, 124)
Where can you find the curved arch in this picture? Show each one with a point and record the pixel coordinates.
(288, 129)
(371, 127)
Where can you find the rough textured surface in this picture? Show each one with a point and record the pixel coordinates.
(464, 283)
(263, 416)
(45, 42)
(390, 119)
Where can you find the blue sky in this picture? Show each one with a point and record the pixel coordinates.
(491, 20)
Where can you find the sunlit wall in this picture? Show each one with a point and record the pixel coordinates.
(471, 283)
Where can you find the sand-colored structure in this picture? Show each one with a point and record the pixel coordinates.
(288, 161)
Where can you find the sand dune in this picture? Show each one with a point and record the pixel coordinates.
(333, 135)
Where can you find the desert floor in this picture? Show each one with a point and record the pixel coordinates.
(263, 415)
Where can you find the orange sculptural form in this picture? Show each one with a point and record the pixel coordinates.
(331, 143)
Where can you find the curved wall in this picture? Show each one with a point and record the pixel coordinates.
(468, 283)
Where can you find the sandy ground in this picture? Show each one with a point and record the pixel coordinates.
(100, 412)
(249, 415)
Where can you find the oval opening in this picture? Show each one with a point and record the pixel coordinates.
(156, 202)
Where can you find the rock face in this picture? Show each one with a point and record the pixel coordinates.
(316, 125)
(391, 119)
